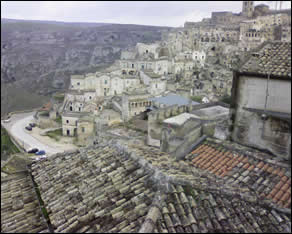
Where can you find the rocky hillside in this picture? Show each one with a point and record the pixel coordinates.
(39, 56)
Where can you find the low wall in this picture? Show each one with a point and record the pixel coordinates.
(18, 143)
(18, 112)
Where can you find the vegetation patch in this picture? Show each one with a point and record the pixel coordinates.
(8, 169)
(226, 99)
(59, 119)
(59, 97)
(197, 98)
(56, 134)
(7, 146)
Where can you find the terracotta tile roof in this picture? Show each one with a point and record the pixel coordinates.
(46, 107)
(258, 173)
(20, 211)
(274, 58)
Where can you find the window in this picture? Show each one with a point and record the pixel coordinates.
(132, 65)
(83, 129)
(79, 108)
(67, 121)
(78, 83)
(105, 81)
(89, 97)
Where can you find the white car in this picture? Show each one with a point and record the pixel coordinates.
(7, 120)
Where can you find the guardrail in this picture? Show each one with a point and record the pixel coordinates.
(19, 112)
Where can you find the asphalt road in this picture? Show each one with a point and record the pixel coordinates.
(16, 127)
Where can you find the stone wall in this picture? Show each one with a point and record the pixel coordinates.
(176, 139)
(273, 134)
(85, 129)
(155, 119)
(46, 122)
(250, 127)
(279, 94)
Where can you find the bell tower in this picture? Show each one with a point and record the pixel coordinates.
(247, 8)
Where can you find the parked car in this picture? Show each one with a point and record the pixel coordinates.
(32, 150)
(32, 125)
(28, 128)
(41, 152)
(7, 120)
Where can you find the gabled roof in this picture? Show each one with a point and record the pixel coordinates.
(20, 211)
(121, 187)
(274, 58)
(99, 190)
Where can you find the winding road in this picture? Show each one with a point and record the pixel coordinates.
(16, 128)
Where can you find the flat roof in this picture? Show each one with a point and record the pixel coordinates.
(173, 99)
(211, 112)
(179, 119)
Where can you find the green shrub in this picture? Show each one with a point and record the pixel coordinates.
(59, 119)
(226, 99)
(197, 98)
(56, 134)
(6, 144)
(59, 97)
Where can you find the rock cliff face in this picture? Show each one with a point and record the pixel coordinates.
(39, 56)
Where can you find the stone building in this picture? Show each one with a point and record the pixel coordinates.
(102, 84)
(155, 82)
(134, 103)
(79, 125)
(70, 123)
(261, 95)
(181, 132)
(247, 8)
(109, 117)
(85, 129)
(162, 108)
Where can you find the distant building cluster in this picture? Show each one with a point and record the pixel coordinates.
(253, 26)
